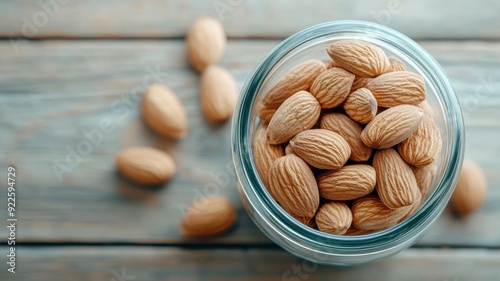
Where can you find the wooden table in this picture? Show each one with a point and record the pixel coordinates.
(83, 64)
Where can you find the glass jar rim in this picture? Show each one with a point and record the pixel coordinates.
(292, 233)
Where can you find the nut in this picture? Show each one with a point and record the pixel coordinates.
(332, 87)
(334, 218)
(470, 192)
(396, 88)
(163, 112)
(209, 216)
(264, 154)
(205, 43)
(347, 183)
(218, 93)
(361, 106)
(370, 213)
(145, 165)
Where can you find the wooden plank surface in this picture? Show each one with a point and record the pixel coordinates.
(243, 18)
(51, 91)
(146, 263)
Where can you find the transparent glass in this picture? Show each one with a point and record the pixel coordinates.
(312, 244)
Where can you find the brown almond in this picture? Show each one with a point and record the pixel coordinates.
(422, 147)
(298, 113)
(266, 113)
(370, 213)
(350, 131)
(347, 183)
(361, 106)
(205, 42)
(332, 87)
(360, 82)
(299, 78)
(264, 154)
(414, 207)
(288, 149)
(396, 88)
(360, 58)
(293, 186)
(470, 192)
(392, 126)
(145, 165)
(164, 112)
(425, 176)
(209, 216)
(396, 183)
(218, 94)
(334, 218)
(322, 149)
(397, 64)
(309, 221)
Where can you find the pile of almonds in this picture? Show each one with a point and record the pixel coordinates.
(347, 146)
(164, 112)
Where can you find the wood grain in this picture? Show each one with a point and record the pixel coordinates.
(51, 91)
(243, 19)
(147, 263)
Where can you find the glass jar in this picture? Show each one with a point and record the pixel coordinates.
(283, 229)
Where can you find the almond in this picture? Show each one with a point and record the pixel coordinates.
(266, 113)
(392, 126)
(361, 106)
(309, 221)
(320, 148)
(299, 78)
(330, 64)
(332, 87)
(471, 189)
(145, 165)
(350, 131)
(298, 113)
(422, 147)
(205, 43)
(359, 82)
(414, 207)
(396, 183)
(288, 149)
(370, 213)
(334, 218)
(396, 88)
(163, 112)
(347, 183)
(360, 58)
(293, 186)
(264, 154)
(426, 106)
(209, 216)
(218, 93)
(425, 176)
(397, 64)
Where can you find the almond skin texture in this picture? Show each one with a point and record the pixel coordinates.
(322, 149)
(205, 43)
(306, 221)
(424, 176)
(347, 183)
(266, 113)
(218, 94)
(361, 106)
(299, 78)
(298, 113)
(369, 213)
(264, 154)
(332, 87)
(145, 165)
(334, 218)
(288, 149)
(396, 88)
(396, 183)
(470, 192)
(293, 186)
(163, 112)
(209, 216)
(360, 58)
(422, 147)
(350, 131)
(392, 126)
(414, 207)
(397, 64)
(360, 82)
